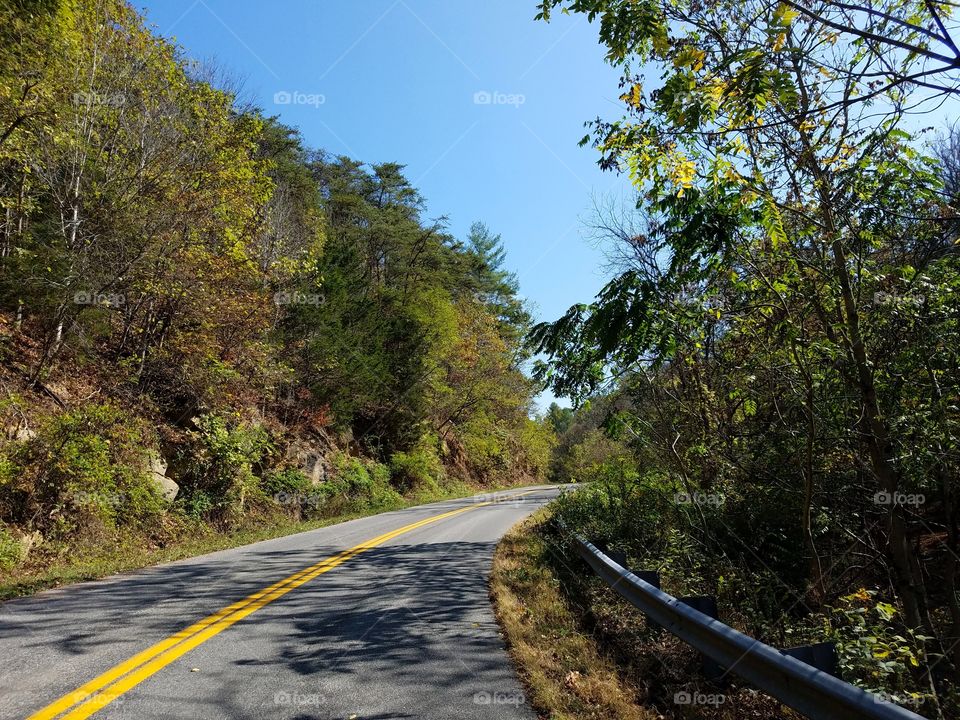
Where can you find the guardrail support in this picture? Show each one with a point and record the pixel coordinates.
(707, 604)
(648, 576)
(618, 556)
(822, 656)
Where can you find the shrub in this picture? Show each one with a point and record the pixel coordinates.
(197, 504)
(12, 493)
(484, 442)
(294, 491)
(419, 471)
(360, 484)
(289, 481)
(220, 463)
(621, 509)
(11, 551)
(581, 461)
(85, 468)
(876, 652)
(535, 447)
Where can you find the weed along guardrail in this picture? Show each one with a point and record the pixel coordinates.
(780, 673)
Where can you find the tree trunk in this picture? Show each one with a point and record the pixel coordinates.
(906, 565)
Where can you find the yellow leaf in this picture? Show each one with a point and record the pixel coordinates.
(784, 15)
(633, 97)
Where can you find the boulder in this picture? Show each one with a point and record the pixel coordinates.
(157, 468)
(308, 454)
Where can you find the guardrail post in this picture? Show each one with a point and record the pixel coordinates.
(618, 556)
(707, 604)
(648, 576)
(822, 656)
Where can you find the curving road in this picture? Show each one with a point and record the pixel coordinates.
(376, 618)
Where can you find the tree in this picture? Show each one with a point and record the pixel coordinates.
(779, 196)
(560, 418)
(497, 285)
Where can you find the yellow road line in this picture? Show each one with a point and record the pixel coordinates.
(105, 688)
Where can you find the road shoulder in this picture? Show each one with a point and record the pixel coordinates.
(563, 669)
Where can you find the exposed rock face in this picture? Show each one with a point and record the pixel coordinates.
(158, 473)
(314, 466)
(28, 542)
(310, 455)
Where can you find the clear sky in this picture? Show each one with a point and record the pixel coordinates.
(483, 105)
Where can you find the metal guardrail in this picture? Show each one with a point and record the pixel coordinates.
(814, 693)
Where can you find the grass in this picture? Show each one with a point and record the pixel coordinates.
(97, 559)
(566, 674)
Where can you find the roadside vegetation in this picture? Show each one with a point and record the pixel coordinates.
(768, 387)
(585, 653)
(208, 330)
(60, 562)
(563, 668)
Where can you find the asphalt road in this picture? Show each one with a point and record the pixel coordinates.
(380, 625)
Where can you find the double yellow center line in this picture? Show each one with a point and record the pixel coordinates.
(104, 689)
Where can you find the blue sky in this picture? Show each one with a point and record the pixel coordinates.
(483, 105)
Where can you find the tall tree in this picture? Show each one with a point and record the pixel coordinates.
(776, 209)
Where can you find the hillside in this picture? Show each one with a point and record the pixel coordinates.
(207, 326)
